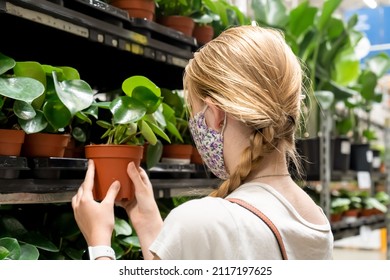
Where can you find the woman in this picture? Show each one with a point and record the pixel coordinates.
(244, 93)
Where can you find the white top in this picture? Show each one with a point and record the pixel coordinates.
(214, 228)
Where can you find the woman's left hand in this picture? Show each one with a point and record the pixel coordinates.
(95, 220)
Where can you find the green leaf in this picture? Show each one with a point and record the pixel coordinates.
(336, 28)
(132, 241)
(122, 227)
(126, 109)
(143, 90)
(76, 95)
(6, 63)
(57, 114)
(11, 226)
(368, 80)
(347, 67)
(24, 110)
(379, 64)
(28, 252)
(153, 154)
(79, 134)
(21, 88)
(173, 130)
(157, 130)
(30, 69)
(3, 253)
(39, 241)
(36, 124)
(147, 132)
(301, 19)
(12, 246)
(82, 116)
(328, 8)
(274, 13)
(70, 73)
(104, 124)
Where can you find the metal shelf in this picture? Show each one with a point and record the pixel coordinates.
(29, 191)
(105, 47)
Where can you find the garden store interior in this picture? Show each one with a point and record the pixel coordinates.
(97, 46)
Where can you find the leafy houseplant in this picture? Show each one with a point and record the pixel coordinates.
(176, 14)
(144, 9)
(176, 115)
(59, 97)
(204, 31)
(224, 15)
(13, 91)
(135, 119)
(364, 96)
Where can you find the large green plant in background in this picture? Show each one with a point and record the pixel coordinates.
(326, 45)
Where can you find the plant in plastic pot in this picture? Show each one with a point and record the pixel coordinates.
(134, 119)
(204, 31)
(176, 115)
(14, 90)
(366, 94)
(51, 113)
(176, 14)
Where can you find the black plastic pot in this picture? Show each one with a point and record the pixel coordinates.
(361, 157)
(57, 167)
(341, 153)
(309, 151)
(10, 166)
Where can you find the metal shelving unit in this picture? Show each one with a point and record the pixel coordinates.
(99, 40)
(106, 46)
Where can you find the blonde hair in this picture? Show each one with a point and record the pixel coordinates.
(252, 74)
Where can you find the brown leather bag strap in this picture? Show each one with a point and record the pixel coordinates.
(266, 220)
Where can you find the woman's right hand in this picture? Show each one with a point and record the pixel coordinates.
(143, 210)
(95, 219)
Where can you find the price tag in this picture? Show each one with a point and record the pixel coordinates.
(364, 179)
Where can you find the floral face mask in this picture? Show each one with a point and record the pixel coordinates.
(209, 143)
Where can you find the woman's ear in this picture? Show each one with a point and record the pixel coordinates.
(215, 117)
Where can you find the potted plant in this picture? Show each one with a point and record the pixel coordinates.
(13, 91)
(355, 205)
(338, 206)
(133, 121)
(359, 106)
(50, 115)
(176, 115)
(144, 9)
(203, 30)
(176, 14)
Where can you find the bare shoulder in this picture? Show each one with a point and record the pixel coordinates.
(301, 201)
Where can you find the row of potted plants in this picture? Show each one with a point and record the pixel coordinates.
(201, 19)
(50, 102)
(348, 206)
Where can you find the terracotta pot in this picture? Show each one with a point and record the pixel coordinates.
(336, 217)
(180, 153)
(73, 150)
(110, 165)
(196, 157)
(137, 8)
(179, 23)
(203, 33)
(11, 141)
(45, 145)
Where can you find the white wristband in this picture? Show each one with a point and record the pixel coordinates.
(100, 251)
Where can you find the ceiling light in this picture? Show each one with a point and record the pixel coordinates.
(371, 3)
